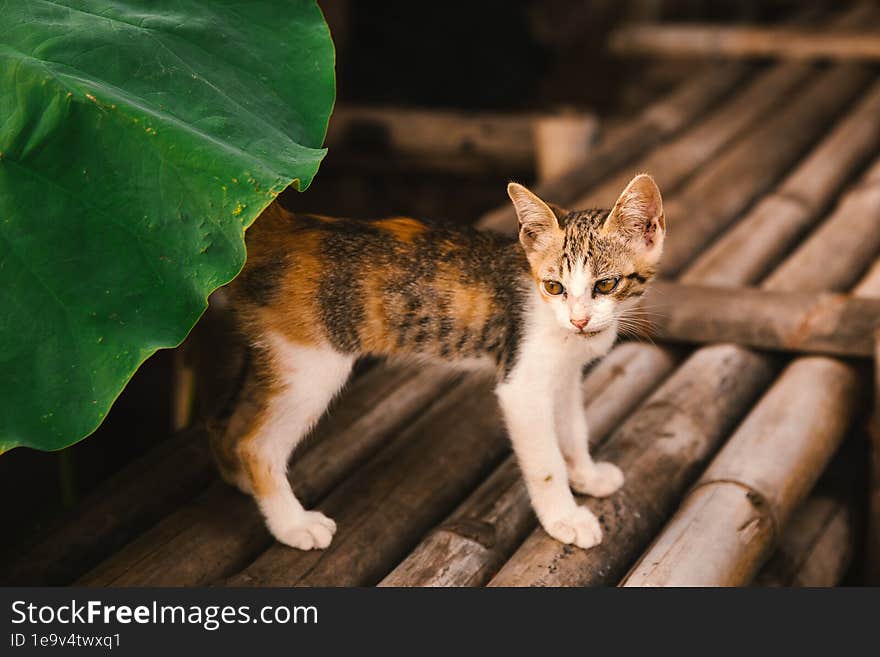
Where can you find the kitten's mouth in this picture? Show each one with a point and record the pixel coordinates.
(588, 334)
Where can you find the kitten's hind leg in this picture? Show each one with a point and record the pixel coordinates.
(293, 386)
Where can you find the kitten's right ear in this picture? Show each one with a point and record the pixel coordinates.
(538, 224)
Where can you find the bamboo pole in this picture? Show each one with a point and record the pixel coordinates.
(728, 523)
(543, 561)
(816, 547)
(673, 162)
(111, 515)
(706, 40)
(449, 139)
(222, 530)
(854, 227)
(770, 464)
(562, 142)
(818, 544)
(715, 197)
(830, 324)
(781, 218)
(469, 547)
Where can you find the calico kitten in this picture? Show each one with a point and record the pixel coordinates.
(317, 293)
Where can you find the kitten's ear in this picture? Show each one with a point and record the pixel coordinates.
(638, 214)
(538, 223)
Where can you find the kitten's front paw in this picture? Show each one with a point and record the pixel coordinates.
(600, 480)
(579, 527)
(306, 531)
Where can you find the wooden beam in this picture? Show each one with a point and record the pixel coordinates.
(831, 324)
(748, 41)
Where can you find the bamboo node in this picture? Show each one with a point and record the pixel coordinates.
(759, 503)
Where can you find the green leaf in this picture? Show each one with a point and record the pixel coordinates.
(137, 141)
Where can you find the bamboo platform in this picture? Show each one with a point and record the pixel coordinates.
(734, 426)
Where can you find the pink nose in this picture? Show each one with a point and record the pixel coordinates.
(580, 323)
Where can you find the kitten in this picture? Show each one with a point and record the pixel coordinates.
(317, 293)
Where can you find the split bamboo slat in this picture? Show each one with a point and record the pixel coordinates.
(681, 107)
(829, 324)
(707, 40)
(221, 529)
(476, 539)
(93, 525)
(541, 560)
(727, 525)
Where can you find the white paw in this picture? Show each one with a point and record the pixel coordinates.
(600, 480)
(308, 530)
(579, 526)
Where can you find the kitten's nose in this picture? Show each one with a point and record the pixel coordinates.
(580, 323)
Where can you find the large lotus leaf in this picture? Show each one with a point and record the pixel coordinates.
(137, 141)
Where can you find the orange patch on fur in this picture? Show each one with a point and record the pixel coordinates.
(403, 228)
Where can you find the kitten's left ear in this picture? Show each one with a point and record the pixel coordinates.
(638, 215)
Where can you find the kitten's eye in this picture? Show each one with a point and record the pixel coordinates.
(606, 285)
(553, 288)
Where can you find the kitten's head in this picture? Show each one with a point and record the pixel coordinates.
(587, 264)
